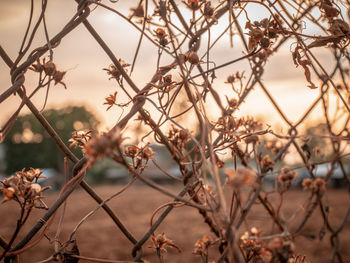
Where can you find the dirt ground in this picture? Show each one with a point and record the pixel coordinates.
(99, 237)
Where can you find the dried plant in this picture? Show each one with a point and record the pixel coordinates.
(191, 110)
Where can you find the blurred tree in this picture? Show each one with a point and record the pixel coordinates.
(29, 145)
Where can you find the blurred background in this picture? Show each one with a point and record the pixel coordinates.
(81, 106)
(88, 84)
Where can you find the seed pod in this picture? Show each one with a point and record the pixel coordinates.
(163, 41)
(231, 79)
(208, 10)
(58, 76)
(271, 33)
(233, 103)
(138, 11)
(36, 188)
(330, 11)
(256, 33)
(193, 4)
(264, 23)
(167, 79)
(160, 33)
(9, 193)
(265, 42)
(193, 58)
(49, 68)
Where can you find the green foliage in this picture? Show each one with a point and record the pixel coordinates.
(29, 145)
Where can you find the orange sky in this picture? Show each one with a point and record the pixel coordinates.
(88, 84)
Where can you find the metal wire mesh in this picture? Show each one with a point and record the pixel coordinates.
(197, 156)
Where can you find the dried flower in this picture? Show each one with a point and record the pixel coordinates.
(147, 153)
(114, 71)
(140, 155)
(241, 177)
(102, 145)
(137, 11)
(193, 4)
(307, 183)
(193, 58)
(167, 79)
(201, 246)
(256, 249)
(31, 174)
(160, 33)
(339, 27)
(36, 188)
(110, 100)
(9, 193)
(228, 125)
(238, 76)
(329, 10)
(232, 103)
(58, 76)
(178, 138)
(282, 249)
(161, 242)
(80, 138)
(287, 175)
(208, 10)
(231, 79)
(263, 32)
(165, 83)
(251, 125)
(265, 42)
(318, 184)
(162, 37)
(266, 164)
(49, 68)
(251, 244)
(23, 187)
(131, 151)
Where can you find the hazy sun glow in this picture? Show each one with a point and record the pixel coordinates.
(88, 84)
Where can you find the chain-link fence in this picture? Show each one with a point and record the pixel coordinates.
(184, 33)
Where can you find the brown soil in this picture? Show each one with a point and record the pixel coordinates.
(99, 237)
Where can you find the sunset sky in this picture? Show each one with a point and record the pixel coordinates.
(88, 84)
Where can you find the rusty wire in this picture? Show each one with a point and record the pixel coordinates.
(183, 41)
